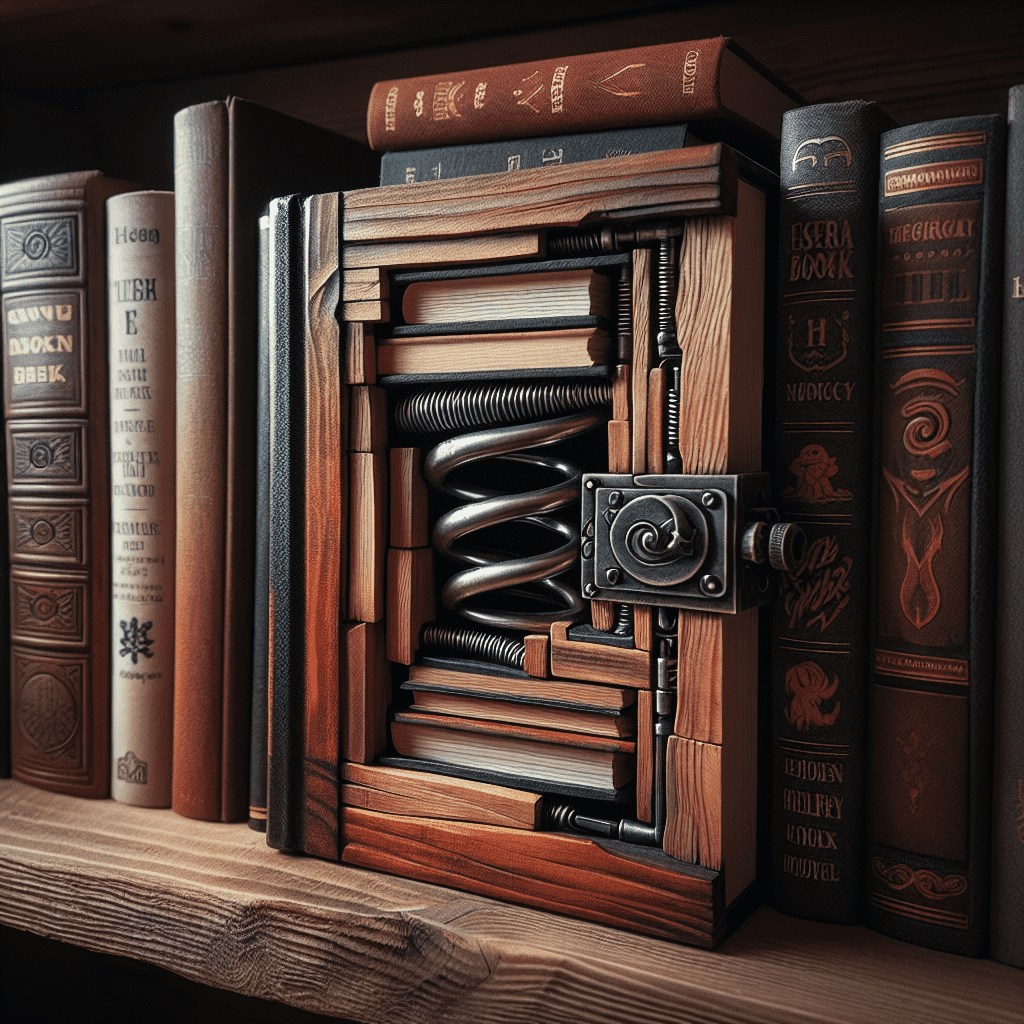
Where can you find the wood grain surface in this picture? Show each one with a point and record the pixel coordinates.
(213, 903)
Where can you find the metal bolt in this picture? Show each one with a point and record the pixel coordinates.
(711, 584)
(708, 500)
(590, 485)
(588, 549)
(589, 590)
(615, 499)
(612, 576)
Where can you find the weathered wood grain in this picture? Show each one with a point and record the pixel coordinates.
(367, 527)
(602, 615)
(360, 354)
(372, 311)
(620, 447)
(536, 662)
(599, 663)
(364, 284)
(369, 425)
(644, 754)
(487, 249)
(409, 526)
(657, 407)
(365, 691)
(410, 600)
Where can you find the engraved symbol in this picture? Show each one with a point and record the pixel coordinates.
(40, 455)
(42, 532)
(808, 686)
(915, 772)
(927, 883)
(822, 349)
(818, 588)
(131, 768)
(47, 712)
(446, 99)
(36, 245)
(832, 146)
(618, 88)
(814, 469)
(526, 101)
(44, 607)
(135, 640)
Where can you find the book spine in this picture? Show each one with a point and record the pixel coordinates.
(55, 404)
(1008, 750)
(140, 282)
(822, 473)
(407, 166)
(643, 85)
(201, 169)
(932, 662)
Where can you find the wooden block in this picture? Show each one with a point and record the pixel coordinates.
(641, 355)
(366, 692)
(367, 541)
(423, 795)
(599, 663)
(364, 284)
(536, 662)
(621, 385)
(369, 419)
(374, 312)
(637, 888)
(620, 447)
(644, 755)
(360, 354)
(409, 525)
(410, 600)
(602, 615)
(643, 626)
(657, 405)
(484, 249)
(694, 807)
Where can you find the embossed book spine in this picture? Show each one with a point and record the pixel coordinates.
(829, 209)
(1008, 750)
(942, 193)
(140, 297)
(704, 80)
(55, 403)
(231, 158)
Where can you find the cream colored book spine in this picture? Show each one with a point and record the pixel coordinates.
(140, 282)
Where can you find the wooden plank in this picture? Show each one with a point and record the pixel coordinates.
(644, 755)
(535, 663)
(360, 354)
(621, 391)
(459, 250)
(643, 626)
(215, 904)
(364, 284)
(410, 600)
(599, 663)
(657, 408)
(694, 829)
(409, 525)
(620, 447)
(423, 795)
(698, 179)
(369, 412)
(367, 522)
(641, 355)
(365, 691)
(602, 615)
(372, 312)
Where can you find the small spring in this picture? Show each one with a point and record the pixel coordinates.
(624, 621)
(472, 643)
(666, 278)
(625, 314)
(673, 459)
(582, 243)
(558, 817)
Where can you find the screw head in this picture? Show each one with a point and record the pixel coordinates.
(589, 590)
(588, 549)
(615, 499)
(612, 576)
(590, 485)
(708, 500)
(711, 585)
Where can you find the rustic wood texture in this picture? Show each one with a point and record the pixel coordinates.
(641, 364)
(360, 354)
(657, 406)
(213, 903)
(644, 754)
(536, 662)
(599, 663)
(409, 526)
(375, 787)
(488, 249)
(620, 447)
(364, 284)
(602, 615)
(621, 384)
(643, 626)
(367, 528)
(371, 311)
(365, 691)
(694, 828)
(369, 412)
(410, 600)
(680, 181)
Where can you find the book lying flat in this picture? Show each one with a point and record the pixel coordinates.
(583, 292)
(517, 711)
(546, 755)
(586, 346)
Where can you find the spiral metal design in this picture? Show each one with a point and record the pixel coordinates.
(471, 643)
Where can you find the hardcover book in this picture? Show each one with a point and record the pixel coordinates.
(53, 288)
(941, 199)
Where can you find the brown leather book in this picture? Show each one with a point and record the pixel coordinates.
(702, 81)
(53, 288)
(231, 158)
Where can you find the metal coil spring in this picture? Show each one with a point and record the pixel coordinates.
(471, 643)
(624, 621)
(582, 243)
(624, 312)
(666, 291)
(459, 407)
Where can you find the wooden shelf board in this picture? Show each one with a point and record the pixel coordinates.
(215, 904)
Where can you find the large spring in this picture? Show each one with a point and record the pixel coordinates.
(540, 599)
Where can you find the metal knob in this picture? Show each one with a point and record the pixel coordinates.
(787, 544)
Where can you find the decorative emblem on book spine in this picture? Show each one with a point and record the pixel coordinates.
(925, 490)
(135, 640)
(47, 712)
(818, 589)
(915, 773)
(808, 687)
(814, 469)
(828, 341)
(47, 246)
(39, 533)
(47, 612)
(50, 457)
(446, 100)
(829, 148)
(620, 86)
(927, 883)
(131, 768)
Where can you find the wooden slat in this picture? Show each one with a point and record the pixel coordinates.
(458, 250)
(599, 663)
(409, 526)
(620, 447)
(657, 407)
(360, 354)
(369, 412)
(536, 662)
(602, 615)
(365, 691)
(365, 284)
(644, 754)
(367, 523)
(372, 311)
(410, 600)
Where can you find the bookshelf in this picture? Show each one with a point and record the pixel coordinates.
(212, 902)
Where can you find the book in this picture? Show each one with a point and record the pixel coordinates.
(141, 340)
(705, 82)
(541, 755)
(231, 158)
(505, 155)
(1007, 944)
(822, 480)
(941, 198)
(53, 287)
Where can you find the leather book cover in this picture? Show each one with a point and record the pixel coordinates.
(231, 158)
(942, 194)
(703, 81)
(1008, 749)
(53, 288)
(822, 479)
